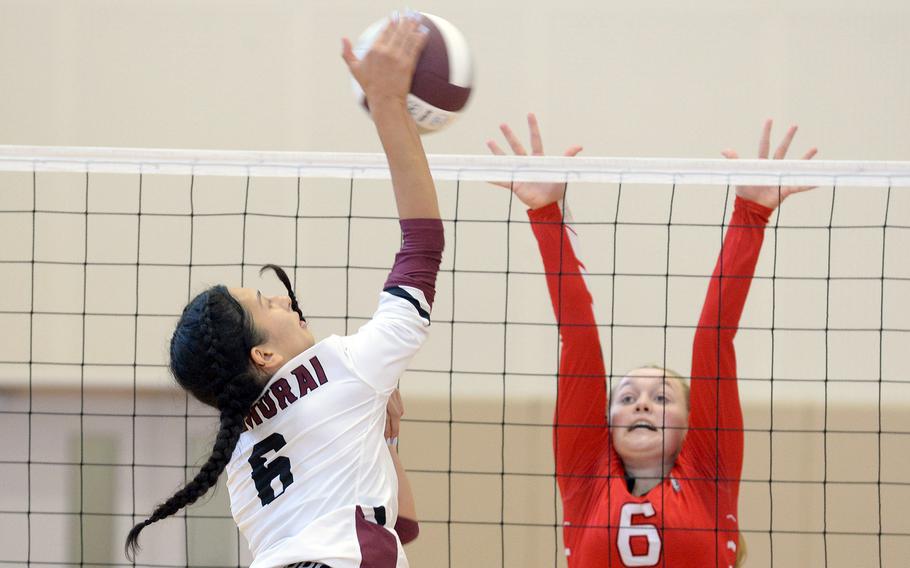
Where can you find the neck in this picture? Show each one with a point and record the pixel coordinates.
(647, 476)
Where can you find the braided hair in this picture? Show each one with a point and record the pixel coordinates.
(210, 360)
(280, 273)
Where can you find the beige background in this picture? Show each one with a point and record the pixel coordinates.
(622, 78)
(642, 79)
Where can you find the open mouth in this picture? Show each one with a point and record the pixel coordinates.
(642, 426)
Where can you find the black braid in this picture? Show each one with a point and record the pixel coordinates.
(231, 428)
(282, 275)
(209, 358)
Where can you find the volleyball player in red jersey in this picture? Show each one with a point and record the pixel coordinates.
(650, 476)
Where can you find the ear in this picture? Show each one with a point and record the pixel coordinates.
(265, 359)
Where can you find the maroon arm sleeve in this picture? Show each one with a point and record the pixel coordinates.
(417, 262)
(416, 265)
(580, 427)
(407, 529)
(715, 439)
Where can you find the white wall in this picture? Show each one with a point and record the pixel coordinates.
(649, 78)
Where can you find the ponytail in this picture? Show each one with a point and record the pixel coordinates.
(228, 434)
(210, 359)
(282, 275)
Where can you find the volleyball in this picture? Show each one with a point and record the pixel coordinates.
(443, 78)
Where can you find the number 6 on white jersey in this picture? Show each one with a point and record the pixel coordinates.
(627, 530)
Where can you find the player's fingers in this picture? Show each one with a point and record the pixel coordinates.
(784, 145)
(494, 148)
(406, 27)
(395, 410)
(764, 144)
(729, 154)
(572, 151)
(536, 141)
(385, 36)
(810, 153)
(513, 140)
(790, 190)
(394, 426)
(347, 52)
(400, 404)
(416, 41)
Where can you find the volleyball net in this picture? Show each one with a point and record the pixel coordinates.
(101, 248)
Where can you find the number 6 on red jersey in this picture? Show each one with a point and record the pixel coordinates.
(627, 530)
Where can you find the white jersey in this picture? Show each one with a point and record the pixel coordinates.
(311, 478)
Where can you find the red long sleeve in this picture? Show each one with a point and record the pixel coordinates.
(715, 440)
(580, 434)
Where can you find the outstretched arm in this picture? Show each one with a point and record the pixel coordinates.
(580, 433)
(715, 439)
(715, 435)
(580, 430)
(384, 346)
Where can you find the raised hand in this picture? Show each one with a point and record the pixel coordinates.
(533, 194)
(771, 195)
(385, 72)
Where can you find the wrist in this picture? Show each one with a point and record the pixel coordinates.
(765, 210)
(387, 103)
(548, 212)
(392, 114)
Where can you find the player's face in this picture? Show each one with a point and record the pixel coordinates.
(648, 417)
(286, 336)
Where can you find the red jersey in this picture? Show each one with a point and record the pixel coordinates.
(690, 519)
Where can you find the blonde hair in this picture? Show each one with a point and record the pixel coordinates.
(741, 552)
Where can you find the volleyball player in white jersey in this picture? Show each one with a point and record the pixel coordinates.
(311, 480)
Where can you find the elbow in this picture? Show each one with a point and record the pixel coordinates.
(408, 530)
(579, 340)
(713, 338)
